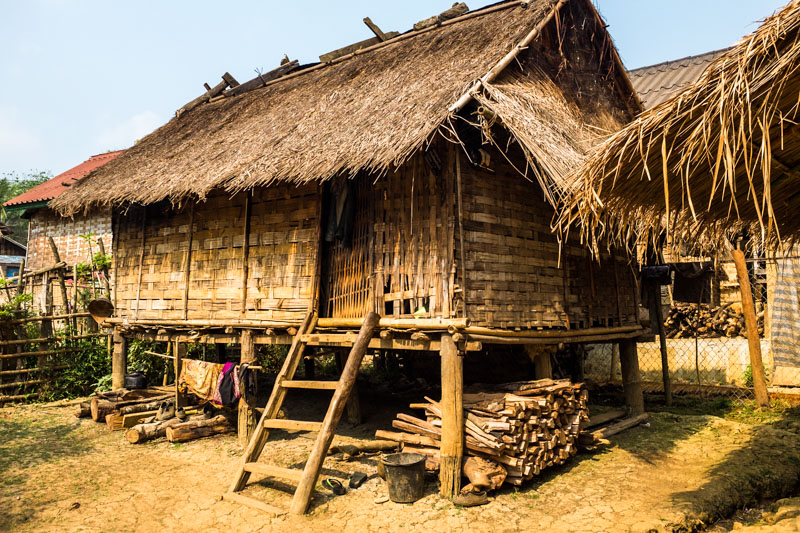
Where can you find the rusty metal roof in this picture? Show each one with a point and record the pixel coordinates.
(660, 82)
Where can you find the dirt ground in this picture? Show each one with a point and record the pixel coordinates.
(60, 473)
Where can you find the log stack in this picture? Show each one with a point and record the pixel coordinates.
(690, 320)
(523, 426)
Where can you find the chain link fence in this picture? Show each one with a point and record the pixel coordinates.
(699, 365)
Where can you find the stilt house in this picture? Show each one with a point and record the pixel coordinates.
(415, 177)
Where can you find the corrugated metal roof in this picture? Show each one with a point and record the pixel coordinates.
(11, 259)
(660, 82)
(53, 187)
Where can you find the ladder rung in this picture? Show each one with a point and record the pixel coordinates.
(299, 384)
(255, 504)
(302, 425)
(274, 471)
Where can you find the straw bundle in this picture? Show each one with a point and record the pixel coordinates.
(719, 156)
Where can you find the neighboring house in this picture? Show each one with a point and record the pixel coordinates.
(656, 84)
(65, 231)
(11, 253)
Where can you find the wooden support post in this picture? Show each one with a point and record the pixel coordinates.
(74, 298)
(180, 353)
(247, 416)
(631, 377)
(751, 324)
(452, 447)
(119, 361)
(655, 295)
(141, 264)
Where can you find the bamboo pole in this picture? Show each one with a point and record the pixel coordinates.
(751, 325)
(60, 264)
(507, 59)
(141, 262)
(106, 281)
(452, 447)
(461, 233)
(246, 249)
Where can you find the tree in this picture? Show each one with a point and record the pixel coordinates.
(11, 186)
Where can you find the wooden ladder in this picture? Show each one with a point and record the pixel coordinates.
(306, 479)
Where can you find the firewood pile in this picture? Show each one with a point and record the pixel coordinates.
(685, 321)
(130, 410)
(522, 427)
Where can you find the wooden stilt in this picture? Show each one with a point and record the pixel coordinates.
(751, 324)
(247, 417)
(452, 448)
(119, 361)
(353, 402)
(180, 353)
(631, 377)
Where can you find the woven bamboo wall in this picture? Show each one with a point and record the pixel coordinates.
(281, 257)
(401, 259)
(512, 261)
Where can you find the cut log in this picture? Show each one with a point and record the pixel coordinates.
(372, 446)
(604, 418)
(195, 429)
(84, 410)
(144, 432)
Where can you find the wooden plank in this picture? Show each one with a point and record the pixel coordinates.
(298, 425)
(253, 503)
(274, 471)
(318, 385)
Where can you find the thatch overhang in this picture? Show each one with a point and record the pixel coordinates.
(369, 111)
(721, 156)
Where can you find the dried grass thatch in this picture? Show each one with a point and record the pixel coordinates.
(369, 112)
(722, 154)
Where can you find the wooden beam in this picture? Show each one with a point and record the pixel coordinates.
(655, 295)
(375, 29)
(751, 325)
(452, 447)
(59, 274)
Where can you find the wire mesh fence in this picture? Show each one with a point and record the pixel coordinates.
(698, 365)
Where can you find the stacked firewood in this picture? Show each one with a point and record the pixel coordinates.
(522, 426)
(703, 321)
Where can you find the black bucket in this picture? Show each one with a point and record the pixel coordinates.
(405, 475)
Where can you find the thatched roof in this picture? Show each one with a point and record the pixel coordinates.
(367, 111)
(721, 155)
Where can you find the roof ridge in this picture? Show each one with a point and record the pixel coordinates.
(313, 67)
(641, 70)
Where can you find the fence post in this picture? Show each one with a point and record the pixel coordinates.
(119, 361)
(751, 324)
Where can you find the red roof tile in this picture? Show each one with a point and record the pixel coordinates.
(55, 186)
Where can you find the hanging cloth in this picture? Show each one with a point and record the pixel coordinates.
(199, 378)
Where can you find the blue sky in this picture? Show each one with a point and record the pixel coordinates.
(81, 77)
